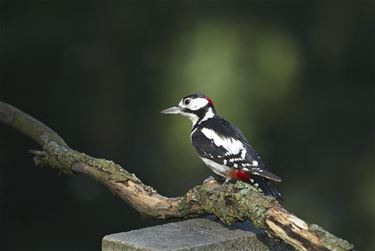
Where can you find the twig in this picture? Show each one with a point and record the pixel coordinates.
(230, 203)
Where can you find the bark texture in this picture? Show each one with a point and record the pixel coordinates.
(230, 203)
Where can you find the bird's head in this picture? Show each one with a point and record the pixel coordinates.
(196, 107)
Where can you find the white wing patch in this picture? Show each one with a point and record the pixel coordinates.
(231, 145)
(243, 153)
(235, 159)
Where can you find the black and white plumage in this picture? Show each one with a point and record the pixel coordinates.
(222, 146)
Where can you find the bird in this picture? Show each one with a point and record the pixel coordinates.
(222, 146)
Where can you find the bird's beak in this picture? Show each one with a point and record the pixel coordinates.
(172, 110)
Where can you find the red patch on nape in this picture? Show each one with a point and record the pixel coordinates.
(239, 174)
(210, 100)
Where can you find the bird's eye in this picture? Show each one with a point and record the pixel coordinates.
(186, 101)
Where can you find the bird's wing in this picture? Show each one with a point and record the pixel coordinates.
(226, 145)
(206, 148)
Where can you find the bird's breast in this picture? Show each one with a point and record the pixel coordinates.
(216, 167)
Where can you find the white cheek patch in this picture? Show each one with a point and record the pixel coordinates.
(232, 145)
(194, 118)
(195, 104)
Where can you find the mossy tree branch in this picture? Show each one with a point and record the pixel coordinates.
(230, 203)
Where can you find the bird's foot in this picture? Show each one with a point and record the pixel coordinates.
(209, 180)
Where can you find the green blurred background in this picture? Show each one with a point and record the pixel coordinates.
(298, 79)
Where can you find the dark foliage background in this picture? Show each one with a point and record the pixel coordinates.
(297, 78)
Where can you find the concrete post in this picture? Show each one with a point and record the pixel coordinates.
(195, 234)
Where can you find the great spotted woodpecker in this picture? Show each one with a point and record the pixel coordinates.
(222, 146)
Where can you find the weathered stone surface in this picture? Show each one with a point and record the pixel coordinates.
(195, 234)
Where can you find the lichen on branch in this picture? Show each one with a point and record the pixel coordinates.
(230, 202)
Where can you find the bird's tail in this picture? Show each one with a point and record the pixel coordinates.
(267, 187)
